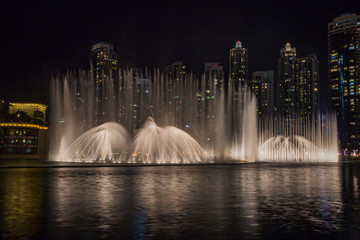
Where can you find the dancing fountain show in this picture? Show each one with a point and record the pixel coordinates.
(150, 119)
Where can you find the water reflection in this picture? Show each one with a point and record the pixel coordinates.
(94, 199)
(21, 203)
(299, 199)
(350, 197)
(209, 202)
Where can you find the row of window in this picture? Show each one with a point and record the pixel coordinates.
(18, 150)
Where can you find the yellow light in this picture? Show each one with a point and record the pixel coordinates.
(22, 125)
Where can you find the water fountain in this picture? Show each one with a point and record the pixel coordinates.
(290, 149)
(169, 145)
(297, 140)
(203, 123)
(103, 143)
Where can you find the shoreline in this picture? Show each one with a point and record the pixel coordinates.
(54, 164)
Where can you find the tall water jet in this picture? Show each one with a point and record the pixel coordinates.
(315, 141)
(241, 125)
(216, 118)
(289, 149)
(156, 145)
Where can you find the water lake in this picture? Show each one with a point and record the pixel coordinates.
(245, 201)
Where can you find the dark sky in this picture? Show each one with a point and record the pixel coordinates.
(43, 37)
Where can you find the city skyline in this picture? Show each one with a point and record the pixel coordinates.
(52, 37)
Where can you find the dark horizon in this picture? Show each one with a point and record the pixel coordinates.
(50, 37)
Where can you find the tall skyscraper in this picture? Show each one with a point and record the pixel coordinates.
(214, 76)
(344, 79)
(210, 85)
(262, 85)
(178, 71)
(307, 98)
(212, 81)
(286, 82)
(103, 69)
(239, 73)
(175, 91)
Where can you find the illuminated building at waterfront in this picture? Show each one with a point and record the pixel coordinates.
(344, 79)
(23, 132)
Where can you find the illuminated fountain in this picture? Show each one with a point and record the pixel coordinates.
(298, 140)
(153, 144)
(103, 143)
(290, 149)
(203, 123)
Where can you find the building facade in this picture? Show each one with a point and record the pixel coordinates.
(262, 85)
(23, 132)
(238, 67)
(286, 85)
(177, 72)
(344, 79)
(307, 104)
(104, 74)
(214, 75)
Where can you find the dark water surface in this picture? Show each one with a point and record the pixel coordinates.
(246, 201)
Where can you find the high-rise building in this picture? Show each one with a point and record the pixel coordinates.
(344, 79)
(141, 107)
(178, 71)
(103, 69)
(262, 85)
(286, 82)
(238, 63)
(211, 83)
(175, 91)
(214, 75)
(307, 98)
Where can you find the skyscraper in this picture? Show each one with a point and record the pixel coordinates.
(212, 82)
(103, 69)
(175, 91)
(262, 85)
(178, 71)
(307, 103)
(214, 76)
(239, 73)
(286, 82)
(344, 79)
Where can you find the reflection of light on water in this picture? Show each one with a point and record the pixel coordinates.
(356, 187)
(22, 203)
(315, 195)
(85, 197)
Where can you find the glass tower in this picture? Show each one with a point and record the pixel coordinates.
(286, 82)
(307, 88)
(103, 69)
(262, 85)
(344, 79)
(239, 73)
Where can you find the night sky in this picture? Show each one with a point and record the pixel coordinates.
(43, 37)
